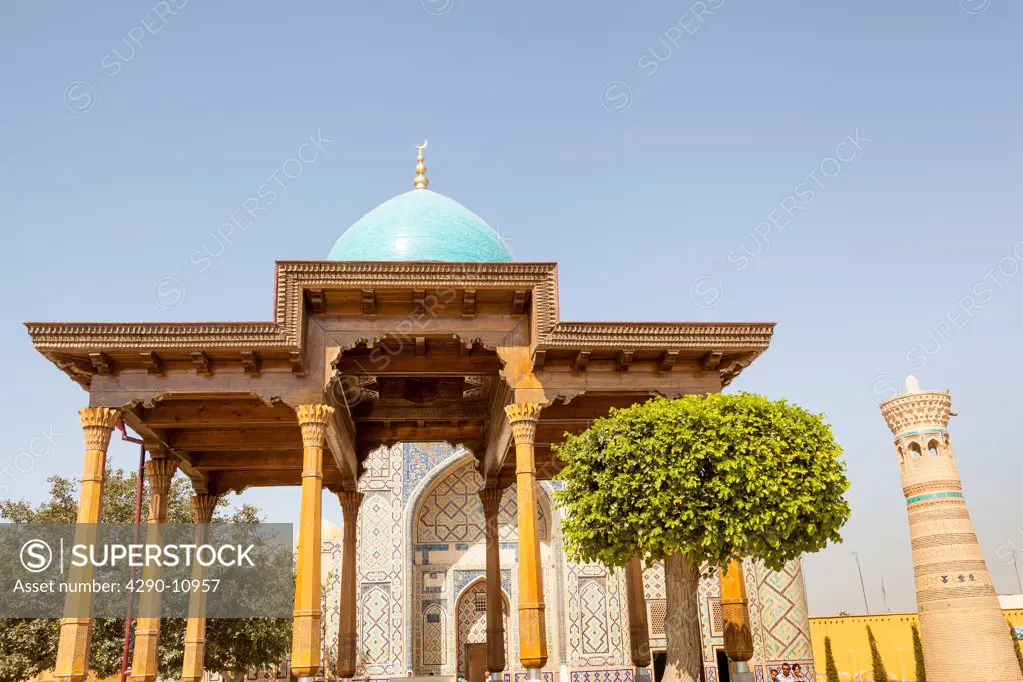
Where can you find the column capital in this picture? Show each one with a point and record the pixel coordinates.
(314, 419)
(523, 418)
(160, 472)
(98, 422)
(491, 499)
(350, 502)
(203, 507)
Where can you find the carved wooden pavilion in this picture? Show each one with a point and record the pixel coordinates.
(362, 354)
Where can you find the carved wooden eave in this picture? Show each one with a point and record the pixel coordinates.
(76, 347)
(472, 338)
(730, 346)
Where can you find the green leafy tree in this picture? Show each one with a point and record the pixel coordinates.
(880, 673)
(698, 481)
(29, 646)
(830, 669)
(918, 655)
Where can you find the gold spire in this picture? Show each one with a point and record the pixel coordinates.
(421, 181)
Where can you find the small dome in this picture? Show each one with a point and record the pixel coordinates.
(421, 225)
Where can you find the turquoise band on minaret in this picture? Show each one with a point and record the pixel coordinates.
(933, 496)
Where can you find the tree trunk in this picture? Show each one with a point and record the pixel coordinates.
(682, 624)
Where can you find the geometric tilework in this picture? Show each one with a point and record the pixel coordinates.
(593, 615)
(380, 551)
(783, 611)
(432, 630)
(596, 620)
(418, 460)
(421, 546)
(449, 513)
(625, 675)
(453, 512)
(464, 577)
(448, 557)
(375, 636)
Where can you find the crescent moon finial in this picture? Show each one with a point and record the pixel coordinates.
(421, 181)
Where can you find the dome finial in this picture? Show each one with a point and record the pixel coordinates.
(421, 181)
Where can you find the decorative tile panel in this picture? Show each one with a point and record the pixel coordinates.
(376, 635)
(433, 639)
(622, 675)
(593, 615)
(418, 460)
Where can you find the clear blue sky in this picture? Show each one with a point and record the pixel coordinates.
(644, 148)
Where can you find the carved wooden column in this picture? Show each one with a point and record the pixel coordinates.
(76, 627)
(147, 627)
(639, 628)
(532, 615)
(195, 628)
(735, 615)
(346, 635)
(305, 639)
(491, 499)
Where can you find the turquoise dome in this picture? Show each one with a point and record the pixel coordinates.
(421, 225)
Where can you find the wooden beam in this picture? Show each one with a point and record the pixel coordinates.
(341, 437)
(199, 414)
(133, 418)
(420, 346)
(244, 439)
(411, 433)
(499, 431)
(236, 481)
(586, 407)
(247, 460)
(406, 365)
(468, 304)
(440, 409)
(418, 301)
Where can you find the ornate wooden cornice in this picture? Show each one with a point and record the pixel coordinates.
(297, 282)
(292, 278)
(668, 336)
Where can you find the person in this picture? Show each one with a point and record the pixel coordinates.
(786, 674)
(797, 672)
(773, 677)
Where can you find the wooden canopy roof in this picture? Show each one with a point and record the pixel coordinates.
(404, 351)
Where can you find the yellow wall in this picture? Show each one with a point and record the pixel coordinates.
(894, 641)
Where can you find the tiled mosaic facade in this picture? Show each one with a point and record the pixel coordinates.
(422, 571)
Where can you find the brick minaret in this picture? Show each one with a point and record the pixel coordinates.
(965, 636)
